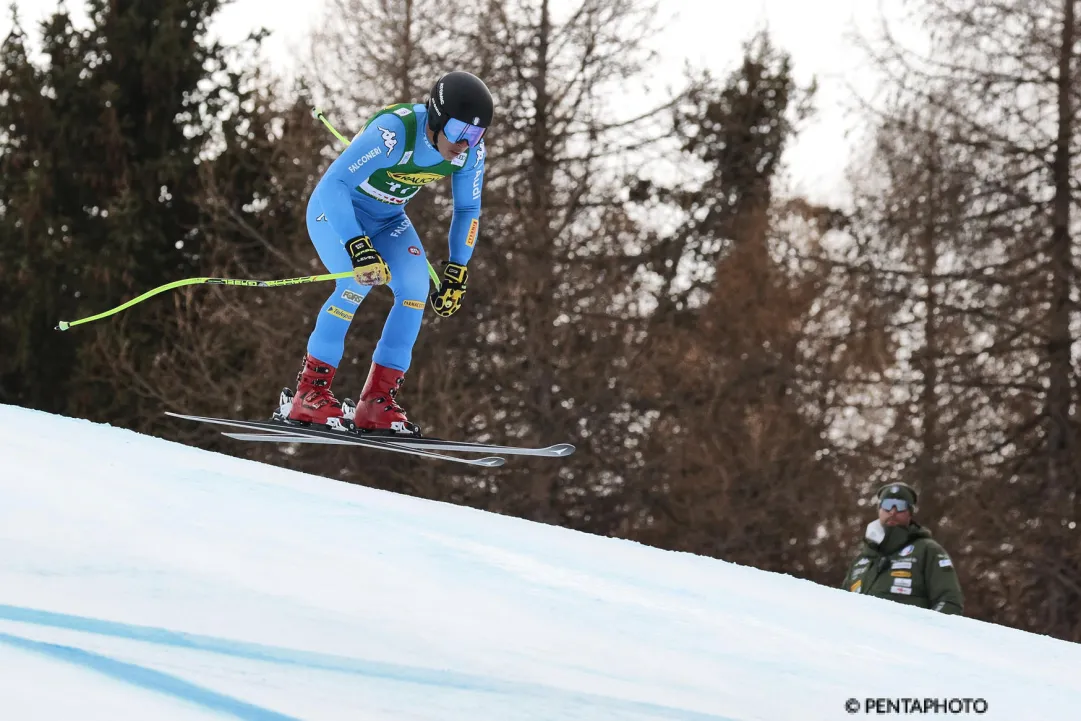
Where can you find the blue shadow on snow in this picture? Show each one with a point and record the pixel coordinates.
(328, 662)
(149, 679)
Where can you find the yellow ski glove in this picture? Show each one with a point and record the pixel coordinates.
(448, 299)
(369, 268)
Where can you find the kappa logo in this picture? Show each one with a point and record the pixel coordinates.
(481, 153)
(415, 178)
(390, 139)
(415, 304)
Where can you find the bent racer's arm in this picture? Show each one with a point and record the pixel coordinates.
(466, 187)
(380, 145)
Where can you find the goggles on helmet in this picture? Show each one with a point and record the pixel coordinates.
(458, 130)
(894, 504)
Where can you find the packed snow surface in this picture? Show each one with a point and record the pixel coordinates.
(144, 579)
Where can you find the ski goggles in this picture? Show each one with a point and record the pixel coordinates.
(459, 130)
(894, 504)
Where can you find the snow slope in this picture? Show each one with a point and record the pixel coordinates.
(143, 579)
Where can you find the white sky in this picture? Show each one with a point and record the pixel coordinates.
(711, 33)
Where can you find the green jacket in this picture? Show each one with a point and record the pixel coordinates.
(909, 567)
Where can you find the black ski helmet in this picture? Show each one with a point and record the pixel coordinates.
(459, 95)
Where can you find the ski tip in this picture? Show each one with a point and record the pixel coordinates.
(561, 449)
(185, 417)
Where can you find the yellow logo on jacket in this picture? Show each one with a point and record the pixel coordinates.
(414, 178)
(901, 574)
(856, 586)
(343, 314)
(417, 304)
(472, 237)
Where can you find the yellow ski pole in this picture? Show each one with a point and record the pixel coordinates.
(318, 114)
(64, 325)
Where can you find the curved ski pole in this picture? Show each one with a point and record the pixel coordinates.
(318, 115)
(64, 325)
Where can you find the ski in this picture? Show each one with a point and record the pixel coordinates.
(559, 450)
(283, 438)
(283, 433)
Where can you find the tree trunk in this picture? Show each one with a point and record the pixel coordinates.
(1060, 392)
(928, 462)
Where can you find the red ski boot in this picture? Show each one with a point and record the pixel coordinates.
(313, 401)
(377, 409)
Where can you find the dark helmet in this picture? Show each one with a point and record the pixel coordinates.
(462, 96)
(898, 490)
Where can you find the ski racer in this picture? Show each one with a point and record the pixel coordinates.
(357, 221)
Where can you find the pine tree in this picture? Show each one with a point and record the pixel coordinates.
(971, 242)
(118, 120)
(738, 450)
(36, 253)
